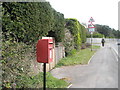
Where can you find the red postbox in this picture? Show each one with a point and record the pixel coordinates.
(44, 51)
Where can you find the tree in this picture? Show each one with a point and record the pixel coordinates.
(106, 31)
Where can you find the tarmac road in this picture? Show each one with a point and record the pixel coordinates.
(101, 72)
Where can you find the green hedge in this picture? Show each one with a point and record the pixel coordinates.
(83, 33)
(23, 24)
(77, 30)
(28, 22)
(74, 27)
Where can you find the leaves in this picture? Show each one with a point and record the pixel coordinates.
(107, 31)
(28, 22)
(77, 30)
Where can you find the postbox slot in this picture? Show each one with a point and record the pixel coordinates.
(50, 53)
(50, 42)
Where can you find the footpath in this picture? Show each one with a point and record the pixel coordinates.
(101, 72)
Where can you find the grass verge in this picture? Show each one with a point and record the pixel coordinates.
(53, 82)
(81, 57)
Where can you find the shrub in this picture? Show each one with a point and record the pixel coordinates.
(72, 52)
(74, 27)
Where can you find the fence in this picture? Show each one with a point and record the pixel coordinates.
(98, 40)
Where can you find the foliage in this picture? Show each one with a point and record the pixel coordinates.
(95, 35)
(107, 31)
(29, 81)
(16, 59)
(77, 30)
(25, 81)
(53, 82)
(59, 26)
(72, 52)
(116, 33)
(23, 23)
(68, 42)
(83, 33)
(29, 21)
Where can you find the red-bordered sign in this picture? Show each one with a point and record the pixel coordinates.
(91, 20)
(91, 26)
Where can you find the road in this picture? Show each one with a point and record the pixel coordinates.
(101, 72)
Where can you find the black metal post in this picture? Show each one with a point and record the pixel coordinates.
(44, 77)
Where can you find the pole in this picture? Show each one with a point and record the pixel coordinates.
(44, 77)
(91, 41)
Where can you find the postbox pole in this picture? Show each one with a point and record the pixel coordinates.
(44, 77)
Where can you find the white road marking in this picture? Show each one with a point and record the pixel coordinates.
(116, 53)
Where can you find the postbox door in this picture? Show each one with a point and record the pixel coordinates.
(45, 50)
(42, 51)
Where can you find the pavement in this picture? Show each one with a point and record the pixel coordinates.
(101, 72)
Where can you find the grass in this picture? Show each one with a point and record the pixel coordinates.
(37, 81)
(81, 57)
(53, 82)
(95, 47)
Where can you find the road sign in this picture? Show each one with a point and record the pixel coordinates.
(91, 26)
(91, 29)
(91, 20)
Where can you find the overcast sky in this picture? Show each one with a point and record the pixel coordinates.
(104, 12)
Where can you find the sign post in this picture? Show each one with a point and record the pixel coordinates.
(91, 40)
(91, 28)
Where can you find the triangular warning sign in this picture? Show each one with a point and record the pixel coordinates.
(91, 26)
(91, 20)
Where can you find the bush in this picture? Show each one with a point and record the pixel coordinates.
(95, 35)
(74, 27)
(72, 52)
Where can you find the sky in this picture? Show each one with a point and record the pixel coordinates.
(104, 12)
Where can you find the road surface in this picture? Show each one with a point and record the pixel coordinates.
(101, 72)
